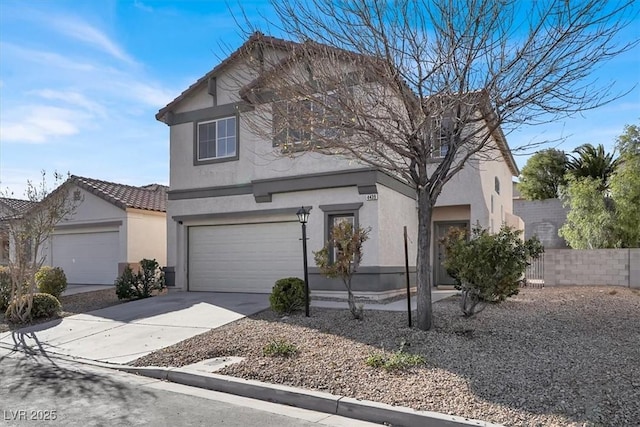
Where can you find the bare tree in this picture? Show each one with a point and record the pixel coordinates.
(28, 232)
(396, 84)
(346, 245)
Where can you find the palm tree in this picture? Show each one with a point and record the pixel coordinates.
(592, 162)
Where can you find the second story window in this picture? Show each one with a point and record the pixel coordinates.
(301, 123)
(441, 138)
(217, 139)
(497, 185)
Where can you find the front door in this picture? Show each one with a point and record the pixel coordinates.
(441, 276)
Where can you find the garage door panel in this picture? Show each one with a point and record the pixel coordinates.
(87, 258)
(243, 257)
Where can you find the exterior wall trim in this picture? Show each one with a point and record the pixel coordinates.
(371, 280)
(238, 214)
(101, 224)
(201, 193)
(209, 113)
(341, 207)
(263, 189)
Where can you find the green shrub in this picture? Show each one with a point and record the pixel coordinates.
(51, 281)
(149, 278)
(5, 288)
(125, 284)
(487, 267)
(44, 305)
(398, 361)
(287, 295)
(280, 348)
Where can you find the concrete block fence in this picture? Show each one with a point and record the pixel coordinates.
(603, 267)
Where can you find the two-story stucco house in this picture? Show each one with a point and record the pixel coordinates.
(232, 202)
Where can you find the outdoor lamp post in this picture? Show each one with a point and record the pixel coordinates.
(303, 217)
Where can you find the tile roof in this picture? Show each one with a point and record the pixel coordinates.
(152, 197)
(256, 38)
(18, 206)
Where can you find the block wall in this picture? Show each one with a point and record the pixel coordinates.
(601, 267)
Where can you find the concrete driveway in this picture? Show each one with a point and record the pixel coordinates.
(125, 332)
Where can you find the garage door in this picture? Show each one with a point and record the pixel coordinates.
(243, 258)
(87, 258)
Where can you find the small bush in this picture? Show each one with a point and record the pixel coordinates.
(488, 266)
(5, 288)
(287, 295)
(149, 278)
(51, 281)
(398, 361)
(125, 284)
(44, 305)
(280, 348)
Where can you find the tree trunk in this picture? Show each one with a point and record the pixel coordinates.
(423, 262)
(355, 311)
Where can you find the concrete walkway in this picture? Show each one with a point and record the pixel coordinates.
(400, 305)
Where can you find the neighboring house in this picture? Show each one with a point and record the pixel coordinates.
(113, 225)
(9, 208)
(232, 203)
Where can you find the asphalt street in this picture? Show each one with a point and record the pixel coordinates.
(36, 390)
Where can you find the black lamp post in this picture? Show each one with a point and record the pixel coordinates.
(303, 217)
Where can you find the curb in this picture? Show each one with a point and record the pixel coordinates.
(364, 410)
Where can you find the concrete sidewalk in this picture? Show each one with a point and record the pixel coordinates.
(125, 332)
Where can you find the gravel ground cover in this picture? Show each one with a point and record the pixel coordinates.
(546, 357)
(74, 304)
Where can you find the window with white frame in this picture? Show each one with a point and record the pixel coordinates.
(441, 137)
(217, 139)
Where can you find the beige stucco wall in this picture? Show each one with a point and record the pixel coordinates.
(466, 188)
(491, 166)
(92, 208)
(258, 159)
(176, 233)
(394, 212)
(146, 236)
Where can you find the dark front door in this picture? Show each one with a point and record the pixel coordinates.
(441, 276)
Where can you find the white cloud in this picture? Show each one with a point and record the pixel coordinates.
(50, 59)
(142, 6)
(146, 94)
(71, 98)
(86, 33)
(36, 124)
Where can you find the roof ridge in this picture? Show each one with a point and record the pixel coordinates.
(139, 187)
(125, 195)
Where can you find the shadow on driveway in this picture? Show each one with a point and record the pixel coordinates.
(125, 332)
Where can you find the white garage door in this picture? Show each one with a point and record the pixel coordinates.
(87, 258)
(245, 257)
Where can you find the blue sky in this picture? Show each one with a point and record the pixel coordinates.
(80, 83)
